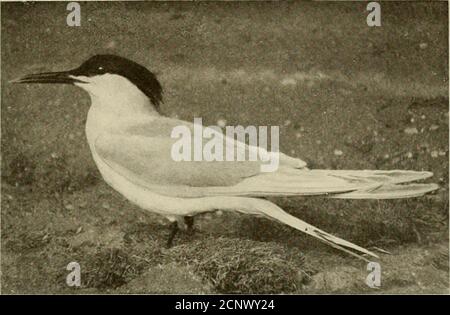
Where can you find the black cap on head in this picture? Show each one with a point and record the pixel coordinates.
(140, 76)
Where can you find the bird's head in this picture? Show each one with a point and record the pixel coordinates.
(103, 75)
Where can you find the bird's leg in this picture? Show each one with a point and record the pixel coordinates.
(189, 221)
(173, 231)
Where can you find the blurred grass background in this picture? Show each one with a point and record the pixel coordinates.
(346, 96)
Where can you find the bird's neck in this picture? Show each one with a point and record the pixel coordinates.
(123, 103)
(117, 96)
(115, 109)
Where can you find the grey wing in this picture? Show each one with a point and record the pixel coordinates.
(142, 154)
(147, 161)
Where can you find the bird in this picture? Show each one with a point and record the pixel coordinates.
(129, 137)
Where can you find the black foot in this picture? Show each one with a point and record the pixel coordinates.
(189, 221)
(173, 232)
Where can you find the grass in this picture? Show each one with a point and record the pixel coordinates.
(315, 69)
(245, 266)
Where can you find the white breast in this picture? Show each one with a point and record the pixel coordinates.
(99, 122)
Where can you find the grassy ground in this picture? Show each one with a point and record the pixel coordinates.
(377, 95)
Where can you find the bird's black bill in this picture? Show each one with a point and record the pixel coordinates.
(49, 77)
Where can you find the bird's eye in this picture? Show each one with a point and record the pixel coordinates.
(100, 68)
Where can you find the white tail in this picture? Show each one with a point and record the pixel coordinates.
(342, 184)
(269, 210)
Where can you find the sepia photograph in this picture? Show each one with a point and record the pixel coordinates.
(224, 147)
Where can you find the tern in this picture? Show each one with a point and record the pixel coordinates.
(130, 141)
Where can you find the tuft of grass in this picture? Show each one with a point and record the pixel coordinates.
(245, 266)
(110, 269)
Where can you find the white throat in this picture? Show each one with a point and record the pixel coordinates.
(115, 103)
(114, 94)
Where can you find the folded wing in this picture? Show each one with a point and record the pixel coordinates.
(142, 154)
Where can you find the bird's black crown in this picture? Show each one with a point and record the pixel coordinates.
(140, 76)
